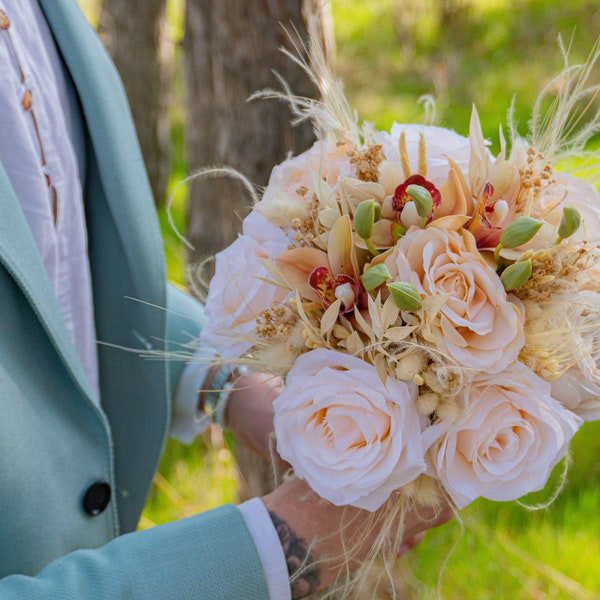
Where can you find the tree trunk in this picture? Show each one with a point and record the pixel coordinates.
(131, 31)
(231, 48)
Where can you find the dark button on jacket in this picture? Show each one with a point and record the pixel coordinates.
(96, 499)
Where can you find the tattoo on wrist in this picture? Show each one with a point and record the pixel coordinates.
(304, 573)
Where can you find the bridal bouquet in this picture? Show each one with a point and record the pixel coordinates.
(433, 308)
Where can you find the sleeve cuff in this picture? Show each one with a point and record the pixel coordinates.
(187, 421)
(269, 548)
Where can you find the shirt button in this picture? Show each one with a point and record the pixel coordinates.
(4, 21)
(27, 100)
(96, 498)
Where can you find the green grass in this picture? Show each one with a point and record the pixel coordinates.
(390, 53)
(192, 479)
(507, 551)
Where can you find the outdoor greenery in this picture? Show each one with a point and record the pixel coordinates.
(391, 52)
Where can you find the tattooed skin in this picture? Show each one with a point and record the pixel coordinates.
(304, 574)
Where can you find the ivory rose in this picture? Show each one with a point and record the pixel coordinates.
(569, 190)
(440, 144)
(579, 388)
(548, 207)
(317, 170)
(352, 438)
(478, 326)
(237, 294)
(506, 444)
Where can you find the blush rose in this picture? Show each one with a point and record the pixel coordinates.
(505, 445)
(478, 326)
(580, 194)
(293, 183)
(352, 438)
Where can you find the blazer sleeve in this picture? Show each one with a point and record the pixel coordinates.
(188, 363)
(185, 320)
(210, 556)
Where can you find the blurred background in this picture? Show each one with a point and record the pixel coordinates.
(189, 67)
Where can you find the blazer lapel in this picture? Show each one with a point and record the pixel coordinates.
(128, 270)
(20, 256)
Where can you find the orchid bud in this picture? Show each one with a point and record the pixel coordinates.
(375, 276)
(422, 198)
(405, 295)
(364, 217)
(519, 232)
(569, 224)
(377, 208)
(516, 275)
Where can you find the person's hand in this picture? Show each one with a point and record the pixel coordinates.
(321, 541)
(249, 411)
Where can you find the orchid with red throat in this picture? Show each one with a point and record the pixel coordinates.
(404, 204)
(327, 277)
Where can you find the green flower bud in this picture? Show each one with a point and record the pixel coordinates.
(570, 222)
(364, 217)
(519, 232)
(375, 276)
(398, 231)
(405, 295)
(422, 198)
(516, 275)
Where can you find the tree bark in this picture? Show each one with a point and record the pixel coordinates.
(131, 30)
(231, 48)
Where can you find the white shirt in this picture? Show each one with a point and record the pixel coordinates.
(37, 150)
(41, 138)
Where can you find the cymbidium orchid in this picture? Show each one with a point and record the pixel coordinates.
(494, 188)
(325, 277)
(405, 205)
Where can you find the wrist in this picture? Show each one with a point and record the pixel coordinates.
(219, 385)
(320, 540)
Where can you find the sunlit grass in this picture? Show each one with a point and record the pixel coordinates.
(507, 551)
(192, 479)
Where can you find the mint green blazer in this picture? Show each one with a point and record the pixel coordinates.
(54, 441)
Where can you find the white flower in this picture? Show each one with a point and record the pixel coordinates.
(579, 388)
(293, 183)
(569, 190)
(236, 294)
(477, 326)
(352, 438)
(507, 442)
(440, 144)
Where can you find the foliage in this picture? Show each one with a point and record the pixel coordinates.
(482, 52)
